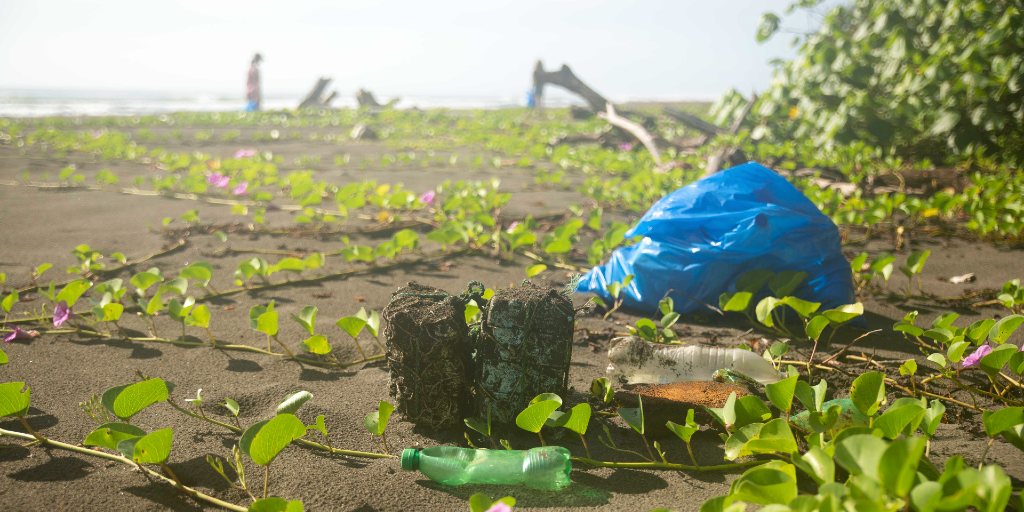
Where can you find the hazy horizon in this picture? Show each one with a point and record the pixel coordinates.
(685, 50)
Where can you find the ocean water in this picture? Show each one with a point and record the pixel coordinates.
(41, 103)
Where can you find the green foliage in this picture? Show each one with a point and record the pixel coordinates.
(128, 400)
(109, 435)
(263, 441)
(292, 402)
(533, 418)
(377, 421)
(274, 504)
(149, 449)
(14, 402)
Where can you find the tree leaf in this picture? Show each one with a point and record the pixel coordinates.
(292, 402)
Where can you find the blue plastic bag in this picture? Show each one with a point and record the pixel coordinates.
(700, 238)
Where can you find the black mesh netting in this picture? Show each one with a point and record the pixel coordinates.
(524, 348)
(428, 355)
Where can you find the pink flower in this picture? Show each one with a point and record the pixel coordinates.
(975, 357)
(245, 153)
(499, 507)
(218, 180)
(62, 313)
(241, 189)
(428, 197)
(512, 227)
(625, 146)
(97, 134)
(17, 332)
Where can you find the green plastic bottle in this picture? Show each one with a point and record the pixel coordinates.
(546, 467)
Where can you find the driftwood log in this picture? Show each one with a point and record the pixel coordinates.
(633, 128)
(366, 99)
(315, 98)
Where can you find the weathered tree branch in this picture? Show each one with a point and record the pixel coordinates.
(633, 128)
(693, 121)
(565, 78)
(315, 96)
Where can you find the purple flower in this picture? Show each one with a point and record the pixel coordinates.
(512, 227)
(241, 189)
(625, 146)
(245, 153)
(97, 134)
(62, 313)
(218, 180)
(428, 197)
(975, 357)
(18, 332)
(499, 507)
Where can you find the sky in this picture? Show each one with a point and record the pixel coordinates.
(682, 49)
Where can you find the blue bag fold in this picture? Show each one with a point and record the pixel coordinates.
(700, 238)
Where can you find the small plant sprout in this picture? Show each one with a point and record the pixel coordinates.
(233, 408)
(685, 432)
(180, 311)
(481, 427)
(217, 464)
(634, 417)
(95, 410)
(534, 417)
(376, 423)
(601, 389)
(321, 427)
(201, 272)
(353, 325)
(38, 271)
(915, 264)
(372, 325)
(615, 290)
(199, 316)
(577, 420)
(9, 301)
(197, 402)
(264, 319)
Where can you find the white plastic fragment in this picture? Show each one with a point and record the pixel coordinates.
(635, 361)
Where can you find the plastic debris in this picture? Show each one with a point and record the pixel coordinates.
(700, 238)
(671, 402)
(546, 467)
(635, 361)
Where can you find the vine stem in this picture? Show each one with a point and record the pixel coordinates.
(668, 466)
(117, 458)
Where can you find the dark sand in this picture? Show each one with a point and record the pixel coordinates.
(41, 225)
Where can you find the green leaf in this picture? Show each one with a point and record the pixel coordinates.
(738, 301)
(868, 392)
(178, 286)
(764, 486)
(896, 420)
(154, 305)
(127, 401)
(843, 314)
(3, 358)
(315, 260)
(601, 389)
(915, 262)
(352, 325)
(685, 432)
(263, 441)
(726, 415)
(1017, 363)
(860, 454)
(179, 311)
(811, 397)
(109, 435)
(815, 326)
(200, 316)
(534, 270)
(751, 409)
(995, 360)
(111, 312)
(634, 417)
(940, 335)
(945, 122)
(938, 359)
(13, 402)
(764, 310)
(376, 422)
(200, 271)
(978, 331)
(150, 449)
(753, 280)
(816, 464)
(317, 344)
(292, 402)
(144, 280)
(781, 393)
(909, 367)
(267, 323)
(231, 406)
(784, 283)
(955, 352)
(533, 417)
(578, 419)
(288, 264)
(546, 396)
(898, 465)
(73, 290)
(274, 504)
(1004, 419)
(802, 307)
(1002, 330)
(306, 318)
(9, 301)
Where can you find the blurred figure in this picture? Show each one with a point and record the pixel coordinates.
(252, 85)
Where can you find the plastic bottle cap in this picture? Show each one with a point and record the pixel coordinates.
(410, 459)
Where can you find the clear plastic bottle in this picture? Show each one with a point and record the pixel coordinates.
(546, 467)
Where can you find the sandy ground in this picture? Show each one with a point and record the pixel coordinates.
(41, 225)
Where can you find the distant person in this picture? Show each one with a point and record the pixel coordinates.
(252, 86)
